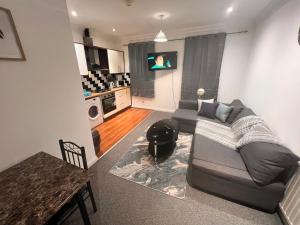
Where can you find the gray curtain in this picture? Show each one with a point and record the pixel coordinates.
(142, 80)
(202, 64)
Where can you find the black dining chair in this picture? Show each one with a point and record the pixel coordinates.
(75, 155)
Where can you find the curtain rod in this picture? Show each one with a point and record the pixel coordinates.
(230, 33)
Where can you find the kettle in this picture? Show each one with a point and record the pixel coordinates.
(111, 85)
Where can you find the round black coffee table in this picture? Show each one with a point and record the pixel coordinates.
(162, 137)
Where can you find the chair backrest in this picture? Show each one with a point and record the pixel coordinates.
(73, 154)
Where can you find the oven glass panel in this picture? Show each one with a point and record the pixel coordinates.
(108, 104)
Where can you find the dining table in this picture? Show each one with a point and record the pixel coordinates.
(35, 189)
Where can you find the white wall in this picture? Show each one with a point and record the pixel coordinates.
(99, 39)
(41, 98)
(163, 99)
(272, 84)
(234, 65)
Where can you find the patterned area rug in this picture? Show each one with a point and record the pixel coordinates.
(167, 176)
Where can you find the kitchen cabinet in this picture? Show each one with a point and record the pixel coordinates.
(116, 61)
(123, 98)
(81, 58)
(128, 94)
(94, 58)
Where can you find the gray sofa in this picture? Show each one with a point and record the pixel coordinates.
(220, 170)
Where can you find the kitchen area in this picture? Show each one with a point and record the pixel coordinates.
(106, 85)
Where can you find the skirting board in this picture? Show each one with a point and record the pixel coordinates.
(92, 161)
(154, 108)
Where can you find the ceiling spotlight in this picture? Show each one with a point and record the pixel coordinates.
(114, 30)
(229, 10)
(74, 13)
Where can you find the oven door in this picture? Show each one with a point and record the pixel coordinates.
(109, 104)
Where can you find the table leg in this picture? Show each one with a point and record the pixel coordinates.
(82, 208)
(89, 187)
(155, 152)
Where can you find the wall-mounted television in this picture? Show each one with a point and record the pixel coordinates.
(162, 61)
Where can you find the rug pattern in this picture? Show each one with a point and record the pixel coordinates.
(168, 176)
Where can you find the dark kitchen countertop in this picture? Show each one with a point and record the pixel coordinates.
(35, 189)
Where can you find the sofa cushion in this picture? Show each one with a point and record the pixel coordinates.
(219, 170)
(238, 176)
(245, 124)
(186, 114)
(257, 136)
(215, 152)
(245, 112)
(238, 107)
(188, 104)
(187, 119)
(208, 110)
(223, 112)
(212, 120)
(200, 101)
(233, 184)
(234, 113)
(237, 103)
(269, 163)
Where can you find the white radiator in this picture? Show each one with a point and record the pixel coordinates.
(290, 205)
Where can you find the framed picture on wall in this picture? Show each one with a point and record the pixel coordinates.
(10, 44)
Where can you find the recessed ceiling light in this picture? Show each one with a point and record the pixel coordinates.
(229, 10)
(74, 13)
(114, 30)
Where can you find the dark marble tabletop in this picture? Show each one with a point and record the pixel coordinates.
(36, 188)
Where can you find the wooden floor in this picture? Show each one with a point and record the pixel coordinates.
(114, 129)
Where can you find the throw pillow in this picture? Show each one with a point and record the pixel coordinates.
(235, 111)
(257, 136)
(245, 112)
(223, 112)
(262, 127)
(244, 125)
(269, 163)
(207, 100)
(208, 110)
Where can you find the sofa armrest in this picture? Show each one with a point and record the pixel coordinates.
(188, 104)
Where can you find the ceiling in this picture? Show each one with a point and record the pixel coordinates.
(104, 15)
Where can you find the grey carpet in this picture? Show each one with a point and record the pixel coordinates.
(121, 202)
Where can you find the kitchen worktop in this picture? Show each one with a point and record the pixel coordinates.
(97, 94)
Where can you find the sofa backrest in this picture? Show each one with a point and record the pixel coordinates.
(193, 105)
(245, 112)
(237, 103)
(188, 104)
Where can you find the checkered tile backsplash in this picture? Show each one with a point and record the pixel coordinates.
(97, 81)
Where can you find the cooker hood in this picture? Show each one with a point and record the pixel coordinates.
(91, 52)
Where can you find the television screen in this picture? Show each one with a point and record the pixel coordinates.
(162, 61)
